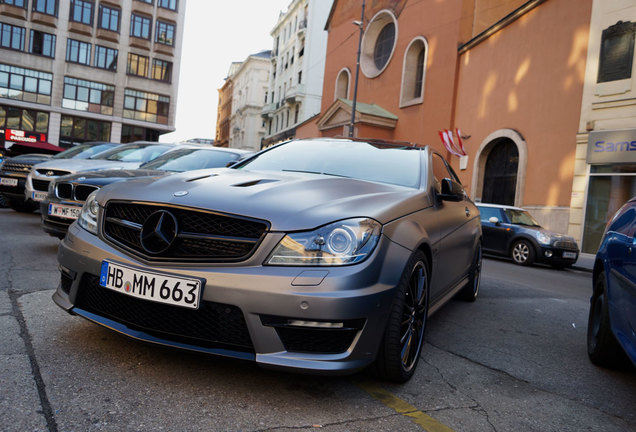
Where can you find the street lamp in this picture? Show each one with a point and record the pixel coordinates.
(360, 25)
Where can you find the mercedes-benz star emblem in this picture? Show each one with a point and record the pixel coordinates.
(158, 232)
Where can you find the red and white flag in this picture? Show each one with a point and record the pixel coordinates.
(449, 143)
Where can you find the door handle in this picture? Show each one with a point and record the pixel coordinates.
(467, 211)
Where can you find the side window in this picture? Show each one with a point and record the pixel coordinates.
(441, 171)
(488, 212)
(623, 223)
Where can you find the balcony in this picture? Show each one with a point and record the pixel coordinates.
(266, 111)
(13, 11)
(295, 94)
(302, 26)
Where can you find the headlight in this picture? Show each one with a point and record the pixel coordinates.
(543, 238)
(344, 242)
(88, 216)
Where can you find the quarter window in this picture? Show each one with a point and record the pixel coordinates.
(164, 33)
(109, 18)
(42, 43)
(137, 65)
(78, 52)
(140, 26)
(106, 58)
(12, 37)
(82, 12)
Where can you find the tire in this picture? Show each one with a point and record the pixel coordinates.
(522, 253)
(3, 201)
(602, 347)
(22, 206)
(404, 334)
(470, 292)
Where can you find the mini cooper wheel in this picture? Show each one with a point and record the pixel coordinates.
(404, 334)
(602, 347)
(522, 253)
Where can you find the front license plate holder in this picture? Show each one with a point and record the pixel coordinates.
(152, 286)
(5, 181)
(64, 211)
(569, 255)
(39, 196)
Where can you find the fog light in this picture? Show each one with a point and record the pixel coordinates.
(548, 253)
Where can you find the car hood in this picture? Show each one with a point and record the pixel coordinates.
(32, 158)
(107, 176)
(554, 235)
(289, 201)
(77, 165)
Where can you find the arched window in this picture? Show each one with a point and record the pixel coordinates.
(342, 85)
(384, 45)
(378, 43)
(413, 72)
(500, 174)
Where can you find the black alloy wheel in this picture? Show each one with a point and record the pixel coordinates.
(404, 335)
(470, 292)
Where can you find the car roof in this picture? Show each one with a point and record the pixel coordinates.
(501, 206)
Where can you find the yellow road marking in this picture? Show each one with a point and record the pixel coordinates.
(402, 407)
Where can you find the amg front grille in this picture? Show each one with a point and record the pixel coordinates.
(201, 236)
(41, 185)
(17, 168)
(213, 325)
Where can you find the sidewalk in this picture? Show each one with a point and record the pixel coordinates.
(585, 262)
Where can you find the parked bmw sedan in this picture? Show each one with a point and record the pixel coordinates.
(513, 232)
(322, 256)
(123, 156)
(67, 194)
(611, 329)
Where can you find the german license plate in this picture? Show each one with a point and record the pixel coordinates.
(64, 211)
(157, 287)
(569, 255)
(38, 196)
(4, 181)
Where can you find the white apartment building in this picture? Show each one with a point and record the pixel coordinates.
(605, 167)
(250, 83)
(297, 68)
(89, 70)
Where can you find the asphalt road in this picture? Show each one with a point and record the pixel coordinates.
(515, 360)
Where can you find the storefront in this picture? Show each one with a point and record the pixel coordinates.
(611, 155)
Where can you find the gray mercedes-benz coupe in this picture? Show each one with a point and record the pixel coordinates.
(320, 255)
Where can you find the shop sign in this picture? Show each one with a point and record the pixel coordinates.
(19, 136)
(611, 146)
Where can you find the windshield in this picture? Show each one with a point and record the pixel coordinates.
(84, 151)
(135, 153)
(191, 159)
(520, 217)
(354, 159)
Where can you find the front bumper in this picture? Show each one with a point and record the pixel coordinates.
(52, 225)
(256, 299)
(13, 192)
(557, 256)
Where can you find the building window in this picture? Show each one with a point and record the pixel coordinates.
(82, 12)
(413, 72)
(164, 33)
(79, 130)
(161, 70)
(300, 77)
(378, 44)
(147, 1)
(500, 174)
(89, 96)
(137, 133)
(25, 84)
(12, 37)
(617, 52)
(48, 7)
(109, 18)
(342, 84)
(42, 43)
(140, 26)
(168, 4)
(106, 58)
(18, 3)
(144, 106)
(137, 65)
(24, 119)
(78, 52)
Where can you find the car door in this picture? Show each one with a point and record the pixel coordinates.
(621, 254)
(495, 235)
(458, 224)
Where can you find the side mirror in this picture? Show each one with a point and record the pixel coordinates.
(451, 190)
(493, 220)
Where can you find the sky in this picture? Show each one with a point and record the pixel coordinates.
(217, 33)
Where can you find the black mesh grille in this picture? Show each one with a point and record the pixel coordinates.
(325, 341)
(41, 185)
(22, 168)
(65, 190)
(213, 325)
(203, 236)
(83, 191)
(563, 244)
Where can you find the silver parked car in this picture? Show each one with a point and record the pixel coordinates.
(322, 256)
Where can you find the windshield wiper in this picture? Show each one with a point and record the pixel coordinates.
(316, 172)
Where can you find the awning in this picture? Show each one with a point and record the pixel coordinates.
(29, 147)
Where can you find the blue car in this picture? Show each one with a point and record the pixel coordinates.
(611, 329)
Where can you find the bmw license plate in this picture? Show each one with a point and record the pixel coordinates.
(569, 255)
(4, 181)
(38, 196)
(158, 287)
(64, 211)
